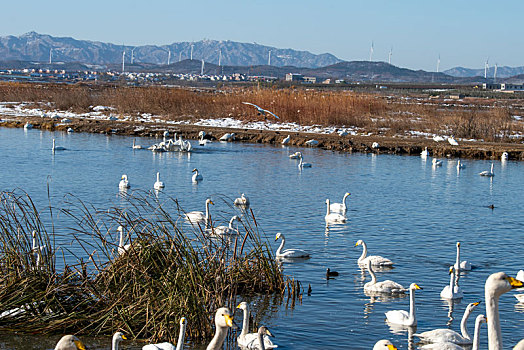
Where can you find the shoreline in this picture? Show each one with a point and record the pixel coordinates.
(333, 142)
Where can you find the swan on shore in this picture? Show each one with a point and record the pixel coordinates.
(448, 335)
(196, 217)
(158, 184)
(333, 217)
(69, 342)
(376, 260)
(402, 317)
(489, 173)
(285, 141)
(124, 183)
(167, 345)
(384, 344)
(312, 142)
(228, 137)
(452, 141)
(196, 176)
(386, 286)
(288, 253)
(452, 291)
(223, 321)
(246, 339)
(340, 207)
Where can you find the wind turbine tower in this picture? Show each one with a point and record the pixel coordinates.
(202, 69)
(50, 55)
(123, 61)
(486, 67)
(269, 58)
(371, 52)
(438, 63)
(133, 55)
(191, 57)
(390, 53)
(180, 56)
(219, 57)
(495, 74)
(169, 57)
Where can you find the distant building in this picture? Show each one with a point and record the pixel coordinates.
(311, 80)
(503, 87)
(293, 77)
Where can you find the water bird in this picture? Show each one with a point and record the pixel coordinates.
(70, 130)
(331, 274)
(440, 335)
(452, 141)
(37, 249)
(438, 138)
(135, 146)
(201, 140)
(375, 145)
(386, 286)
(460, 165)
(196, 217)
(497, 284)
(225, 230)
(285, 141)
(158, 184)
(402, 317)
(461, 265)
(520, 275)
(228, 137)
(124, 183)
(489, 173)
(28, 125)
(384, 344)
(301, 164)
(261, 111)
(491, 206)
(57, 148)
(121, 247)
(340, 207)
(223, 321)
(69, 342)
(312, 142)
(376, 260)
(504, 156)
(288, 253)
(262, 333)
(295, 155)
(436, 162)
(167, 345)
(333, 217)
(309, 289)
(452, 291)
(196, 176)
(424, 153)
(246, 339)
(452, 346)
(520, 297)
(117, 338)
(242, 201)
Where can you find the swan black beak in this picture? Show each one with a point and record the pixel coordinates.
(269, 333)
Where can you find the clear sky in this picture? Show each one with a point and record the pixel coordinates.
(463, 32)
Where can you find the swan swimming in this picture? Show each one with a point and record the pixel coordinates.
(384, 344)
(489, 173)
(69, 342)
(135, 146)
(242, 201)
(301, 164)
(461, 265)
(460, 165)
(196, 176)
(402, 317)
(117, 338)
(250, 340)
(340, 207)
(223, 321)
(452, 291)
(436, 162)
(333, 217)
(260, 343)
(504, 156)
(376, 260)
(158, 184)
(124, 183)
(295, 155)
(196, 217)
(448, 335)
(424, 153)
(57, 148)
(225, 230)
(169, 346)
(452, 346)
(386, 286)
(288, 253)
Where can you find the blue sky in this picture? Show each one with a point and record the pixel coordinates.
(463, 32)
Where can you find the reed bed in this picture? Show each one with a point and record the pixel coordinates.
(374, 113)
(169, 271)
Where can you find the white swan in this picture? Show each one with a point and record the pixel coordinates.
(497, 284)
(223, 321)
(448, 335)
(452, 291)
(196, 217)
(460, 165)
(135, 146)
(489, 173)
(288, 253)
(261, 334)
(57, 148)
(301, 164)
(504, 156)
(121, 247)
(376, 260)
(384, 344)
(201, 140)
(225, 230)
(386, 286)
(242, 201)
(402, 317)
(312, 142)
(28, 125)
(520, 297)
(452, 141)
(461, 265)
(158, 184)
(341, 207)
(424, 153)
(375, 145)
(295, 155)
(285, 141)
(452, 346)
(438, 138)
(436, 162)
(37, 249)
(261, 111)
(196, 176)
(520, 275)
(228, 137)
(333, 217)
(117, 338)
(69, 342)
(246, 339)
(169, 346)
(124, 183)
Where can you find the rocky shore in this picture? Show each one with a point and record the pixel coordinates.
(334, 142)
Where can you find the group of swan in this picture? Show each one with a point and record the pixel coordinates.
(446, 345)
(171, 145)
(251, 340)
(336, 212)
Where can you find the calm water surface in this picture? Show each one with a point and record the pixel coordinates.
(401, 206)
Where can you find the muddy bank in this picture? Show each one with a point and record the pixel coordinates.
(334, 142)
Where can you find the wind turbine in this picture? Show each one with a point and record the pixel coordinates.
(371, 52)
(133, 55)
(180, 56)
(50, 55)
(202, 69)
(390, 53)
(269, 58)
(219, 56)
(438, 63)
(123, 60)
(486, 67)
(495, 74)
(168, 56)
(192, 45)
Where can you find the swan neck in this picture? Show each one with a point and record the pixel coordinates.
(457, 263)
(463, 324)
(218, 340)
(364, 252)
(245, 322)
(157, 177)
(327, 204)
(451, 280)
(344, 200)
(372, 273)
(412, 316)
(181, 336)
(261, 341)
(121, 242)
(476, 335)
(114, 344)
(231, 223)
(279, 250)
(492, 314)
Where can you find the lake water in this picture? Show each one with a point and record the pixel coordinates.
(401, 206)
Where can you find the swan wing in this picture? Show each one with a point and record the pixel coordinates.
(442, 335)
(195, 216)
(294, 253)
(160, 346)
(397, 316)
(251, 342)
(442, 346)
(386, 286)
(376, 260)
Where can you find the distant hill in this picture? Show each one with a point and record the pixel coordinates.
(39, 47)
(502, 72)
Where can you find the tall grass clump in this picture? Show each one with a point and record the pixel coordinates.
(170, 270)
